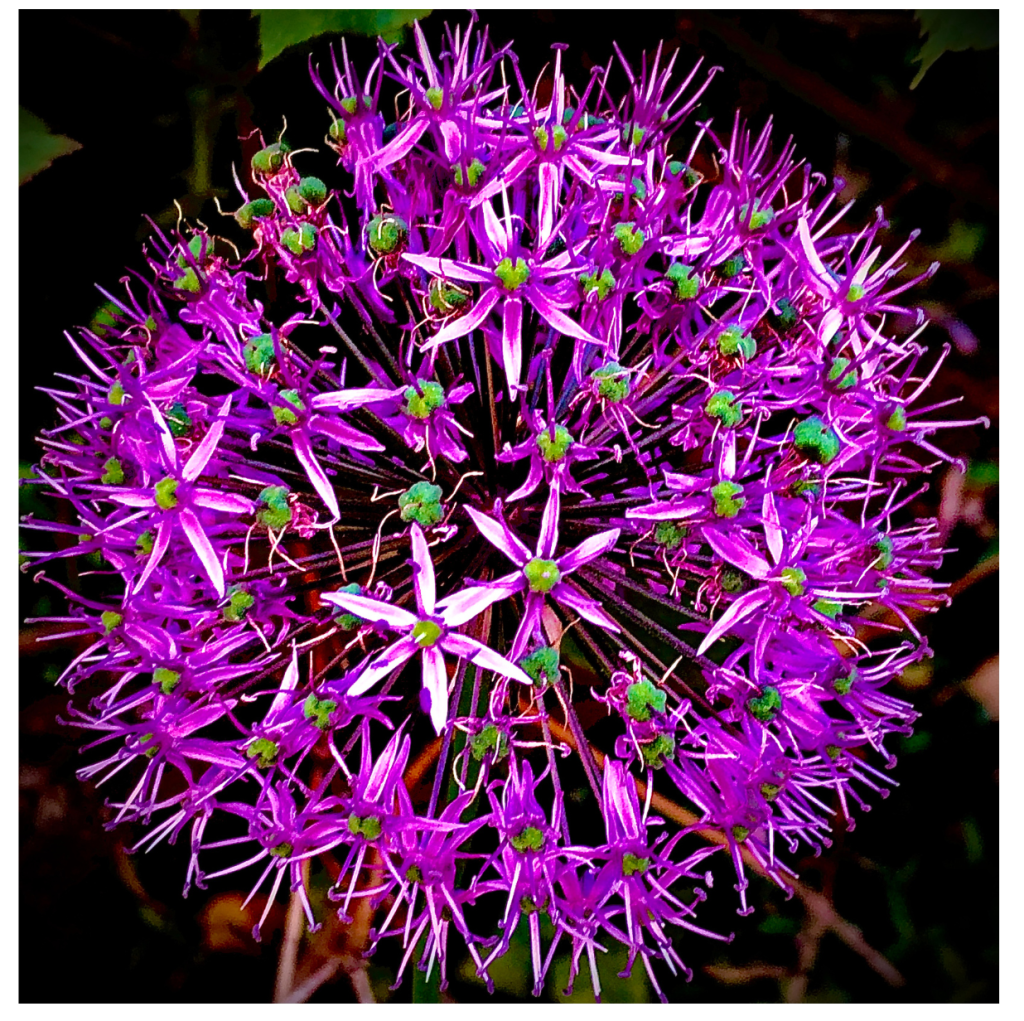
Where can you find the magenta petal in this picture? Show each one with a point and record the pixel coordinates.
(423, 573)
(345, 434)
(530, 622)
(498, 534)
(567, 594)
(511, 173)
(229, 503)
(772, 527)
(435, 682)
(344, 400)
(390, 659)
(548, 538)
(204, 549)
(666, 510)
(451, 270)
(533, 479)
(156, 554)
(738, 552)
(559, 320)
(374, 610)
(202, 454)
(740, 610)
(589, 550)
(512, 343)
(478, 653)
(317, 476)
(467, 323)
(463, 606)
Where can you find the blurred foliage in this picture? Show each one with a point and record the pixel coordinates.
(919, 876)
(37, 146)
(954, 30)
(280, 29)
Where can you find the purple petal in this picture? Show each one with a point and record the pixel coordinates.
(390, 659)
(667, 511)
(589, 550)
(374, 610)
(512, 172)
(531, 620)
(548, 538)
(229, 503)
(478, 653)
(463, 606)
(423, 575)
(345, 434)
(435, 683)
(498, 534)
(738, 552)
(156, 554)
(204, 549)
(512, 343)
(559, 320)
(740, 610)
(202, 454)
(450, 270)
(467, 323)
(567, 593)
(772, 527)
(317, 476)
(343, 400)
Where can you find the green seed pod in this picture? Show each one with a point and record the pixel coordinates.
(542, 575)
(474, 172)
(144, 544)
(421, 503)
(275, 513)
(764, 707)
(529, 838)
(313, 190)
(337, 132)
(643, 698)
(271, 159)
(488, 740)
(319, 711)
(554, 450)
(793, 579)
(264, 751)
(345, 620)
(426, 634)
(630, 237)
(189, 282)
(670, 534)
(837, 374)
(732, 267)
(110, 620)
(435, 97)
(240, 602)
(164, 492)
(612, 382)
(816, 441)
(113, 473)
(541, 666)
(758, 219)
(259, 353)
(422, 404)
(724, 407)
(685, 281)
(178, 420)
(728, 499)
(602, 282)
(368, 826)
(300, 241)
(657, 751)
(733, 342)
(167, 679)
(258, 209)
(386, 234)
(512, 277)
(285, 413)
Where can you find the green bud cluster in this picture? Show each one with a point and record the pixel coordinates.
(421, 503)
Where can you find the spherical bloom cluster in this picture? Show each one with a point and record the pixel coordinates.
(569, 469)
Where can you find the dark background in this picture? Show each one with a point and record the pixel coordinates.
(158, 104)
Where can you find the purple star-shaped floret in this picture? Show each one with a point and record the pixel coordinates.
(540, 574)
(429, 631)
(178, 498)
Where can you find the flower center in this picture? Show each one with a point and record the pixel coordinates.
(554, 450)
(164, 492)
(425, 633)
(512, 277)
(542, 575)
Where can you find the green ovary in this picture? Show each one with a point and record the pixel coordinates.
(512, 277)
(425, 633)
(542, 575)
(553, 450)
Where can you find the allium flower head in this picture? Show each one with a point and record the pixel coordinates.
(536, 417)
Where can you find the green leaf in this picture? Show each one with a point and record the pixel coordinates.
(954, 30)
(280, 29)
(37, 148)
